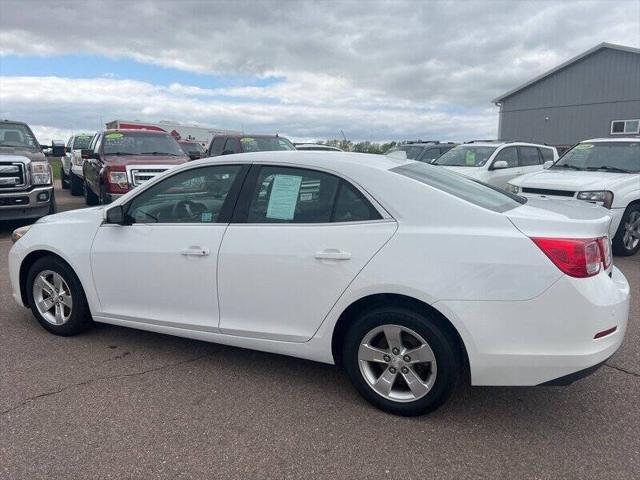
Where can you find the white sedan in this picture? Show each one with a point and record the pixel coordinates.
(404, 273)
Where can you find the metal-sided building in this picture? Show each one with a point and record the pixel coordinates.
(596, 94)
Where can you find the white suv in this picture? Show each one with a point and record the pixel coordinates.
(498, 162)
(604, 171)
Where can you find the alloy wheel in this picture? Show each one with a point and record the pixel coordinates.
(631, 235)
(397, 363)
(52, 297)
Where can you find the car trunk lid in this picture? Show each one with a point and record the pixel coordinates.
(560, 219)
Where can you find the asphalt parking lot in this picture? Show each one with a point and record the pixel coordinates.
(121, 403)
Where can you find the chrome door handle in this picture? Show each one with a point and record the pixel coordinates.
(195, 251)
(333, 254)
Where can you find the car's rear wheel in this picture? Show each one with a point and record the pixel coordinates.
(627, 239)
(90, 198)
(401, 361)
(75, 185)
(56, 297)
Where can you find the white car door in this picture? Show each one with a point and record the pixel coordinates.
(300, 239)
(161, 268)
(499, 177)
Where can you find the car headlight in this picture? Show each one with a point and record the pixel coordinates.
(600, 197)
(18, 233)
(119, 178)
(513, 188)
(40, 173)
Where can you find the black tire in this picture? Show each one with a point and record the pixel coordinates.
(75, 185)
(90, 198)
(80, 316)
(53, 206)
(64, 179)
(104, 200)
(443, 345)
(619, 248)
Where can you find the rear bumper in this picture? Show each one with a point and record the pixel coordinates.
(546, 338)
(18, 205)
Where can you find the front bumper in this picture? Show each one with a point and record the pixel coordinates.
(543, 339)
(29, 204)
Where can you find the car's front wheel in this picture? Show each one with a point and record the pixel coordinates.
(56, 297)
(627, 239)
(401, 361)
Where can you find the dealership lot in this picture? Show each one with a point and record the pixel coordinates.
(138, 404)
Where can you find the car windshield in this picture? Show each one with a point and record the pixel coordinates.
(189, 147)
(265, 144)
(623, 157)
(461, 186)
(409, 152)
(140, 143)
(17, 135)
(465, 156)
(82, 142)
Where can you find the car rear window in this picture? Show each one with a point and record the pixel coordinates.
(472, 191)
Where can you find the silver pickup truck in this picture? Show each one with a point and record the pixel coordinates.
(26, 179)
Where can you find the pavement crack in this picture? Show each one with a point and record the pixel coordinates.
(623, 370)
(98, 379)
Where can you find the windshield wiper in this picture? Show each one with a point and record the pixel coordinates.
(159, 153)
(609, 169)
(120, 153)
(566, 165)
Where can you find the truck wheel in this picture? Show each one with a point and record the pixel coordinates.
(627, 239)
(401, 361)
(64, 179)
(53, 206)
(56, 297)
(90, 198)
(104, 200)
(75, 185)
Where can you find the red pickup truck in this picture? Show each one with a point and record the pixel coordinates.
(123, 159)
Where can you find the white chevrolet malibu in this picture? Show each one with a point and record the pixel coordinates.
(404, 273)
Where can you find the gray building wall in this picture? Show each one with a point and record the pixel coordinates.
(577, 102)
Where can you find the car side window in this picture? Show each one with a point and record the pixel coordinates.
(547, 154)
(295, 195)
(216, 146)
(509, 155)
(529, 156)
(192, 196)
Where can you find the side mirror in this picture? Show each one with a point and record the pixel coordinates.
(228, 152)
(115, 215)
(499, 165)
(547, 164)
(58, 150)
(86, 153)
(194, 156)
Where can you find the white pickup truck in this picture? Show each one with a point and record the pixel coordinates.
(71, 173)
(605, 171)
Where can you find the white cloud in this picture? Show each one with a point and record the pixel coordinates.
(377, 69)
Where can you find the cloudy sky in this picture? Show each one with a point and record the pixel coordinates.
(378, 70)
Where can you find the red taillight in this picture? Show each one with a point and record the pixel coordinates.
(605, 249)
(576, 257)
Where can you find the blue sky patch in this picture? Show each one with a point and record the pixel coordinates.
(93, 66)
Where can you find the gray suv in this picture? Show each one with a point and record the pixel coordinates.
(26, 179)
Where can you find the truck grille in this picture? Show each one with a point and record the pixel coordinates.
(544, 191)
(12, 176)
(141, 175)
